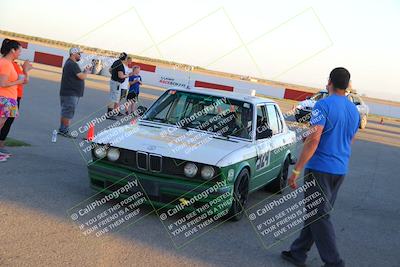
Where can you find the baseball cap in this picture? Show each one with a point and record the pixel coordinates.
(123, 56)
(75, 50)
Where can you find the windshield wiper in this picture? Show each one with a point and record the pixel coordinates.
(155, 119)
(185, 127)
(220, 135)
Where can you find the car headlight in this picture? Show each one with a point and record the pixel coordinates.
(190, 169)
(100, 152)
(207, 172)
(113, 154)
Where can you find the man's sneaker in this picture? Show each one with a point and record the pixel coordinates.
(340, 264)
(3, 158)
(287, 255)
(113, 118)
(5, 152)
(67, 134)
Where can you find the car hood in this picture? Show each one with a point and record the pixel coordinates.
(169, 141)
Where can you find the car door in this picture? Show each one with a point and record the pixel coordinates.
(362, 108)
(263, 149)
(267, 149)
(278, 141)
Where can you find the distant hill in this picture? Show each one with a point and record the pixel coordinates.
(171, 64)
(97, 51)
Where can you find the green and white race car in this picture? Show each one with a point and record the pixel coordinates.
(192, 139)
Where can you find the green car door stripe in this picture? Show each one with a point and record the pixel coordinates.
(267, 171)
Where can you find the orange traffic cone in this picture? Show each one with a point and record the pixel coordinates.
(381, 120)
(90, 133)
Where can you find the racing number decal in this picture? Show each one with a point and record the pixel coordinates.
(263, 160)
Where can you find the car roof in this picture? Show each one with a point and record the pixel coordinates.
(232, 95)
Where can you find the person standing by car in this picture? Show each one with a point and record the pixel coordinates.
(134, 87)
(9, 81)
(125, 85)
(71, 90)
(21, 71)
(118, 76)
(325, 157)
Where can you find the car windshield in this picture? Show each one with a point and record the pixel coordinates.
(220, 115)
(319, 96)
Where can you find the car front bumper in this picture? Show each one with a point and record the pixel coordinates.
(161, 191)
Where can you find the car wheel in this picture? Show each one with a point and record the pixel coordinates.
(240, 196)
(302, 119)
(279, 183)
(297, 117)
(363, 122)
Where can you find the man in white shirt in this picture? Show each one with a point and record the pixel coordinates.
(125, 85)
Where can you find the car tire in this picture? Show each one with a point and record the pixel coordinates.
(279, 183)
(297, 117)
(240, 196)
(363, 122)
(301, 119)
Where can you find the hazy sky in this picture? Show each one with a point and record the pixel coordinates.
(294, 41)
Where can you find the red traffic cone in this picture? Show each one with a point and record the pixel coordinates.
(381, 120)
(133, 122)
(90, 133)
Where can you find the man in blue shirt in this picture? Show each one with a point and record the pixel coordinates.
(325, 156)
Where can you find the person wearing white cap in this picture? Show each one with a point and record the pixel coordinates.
(72, 87)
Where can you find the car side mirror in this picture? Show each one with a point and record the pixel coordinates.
(141, 110)
(263, 132)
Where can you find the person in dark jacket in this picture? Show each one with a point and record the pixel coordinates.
(118, 76)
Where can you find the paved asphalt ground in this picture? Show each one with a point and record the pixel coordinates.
(41, 182)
